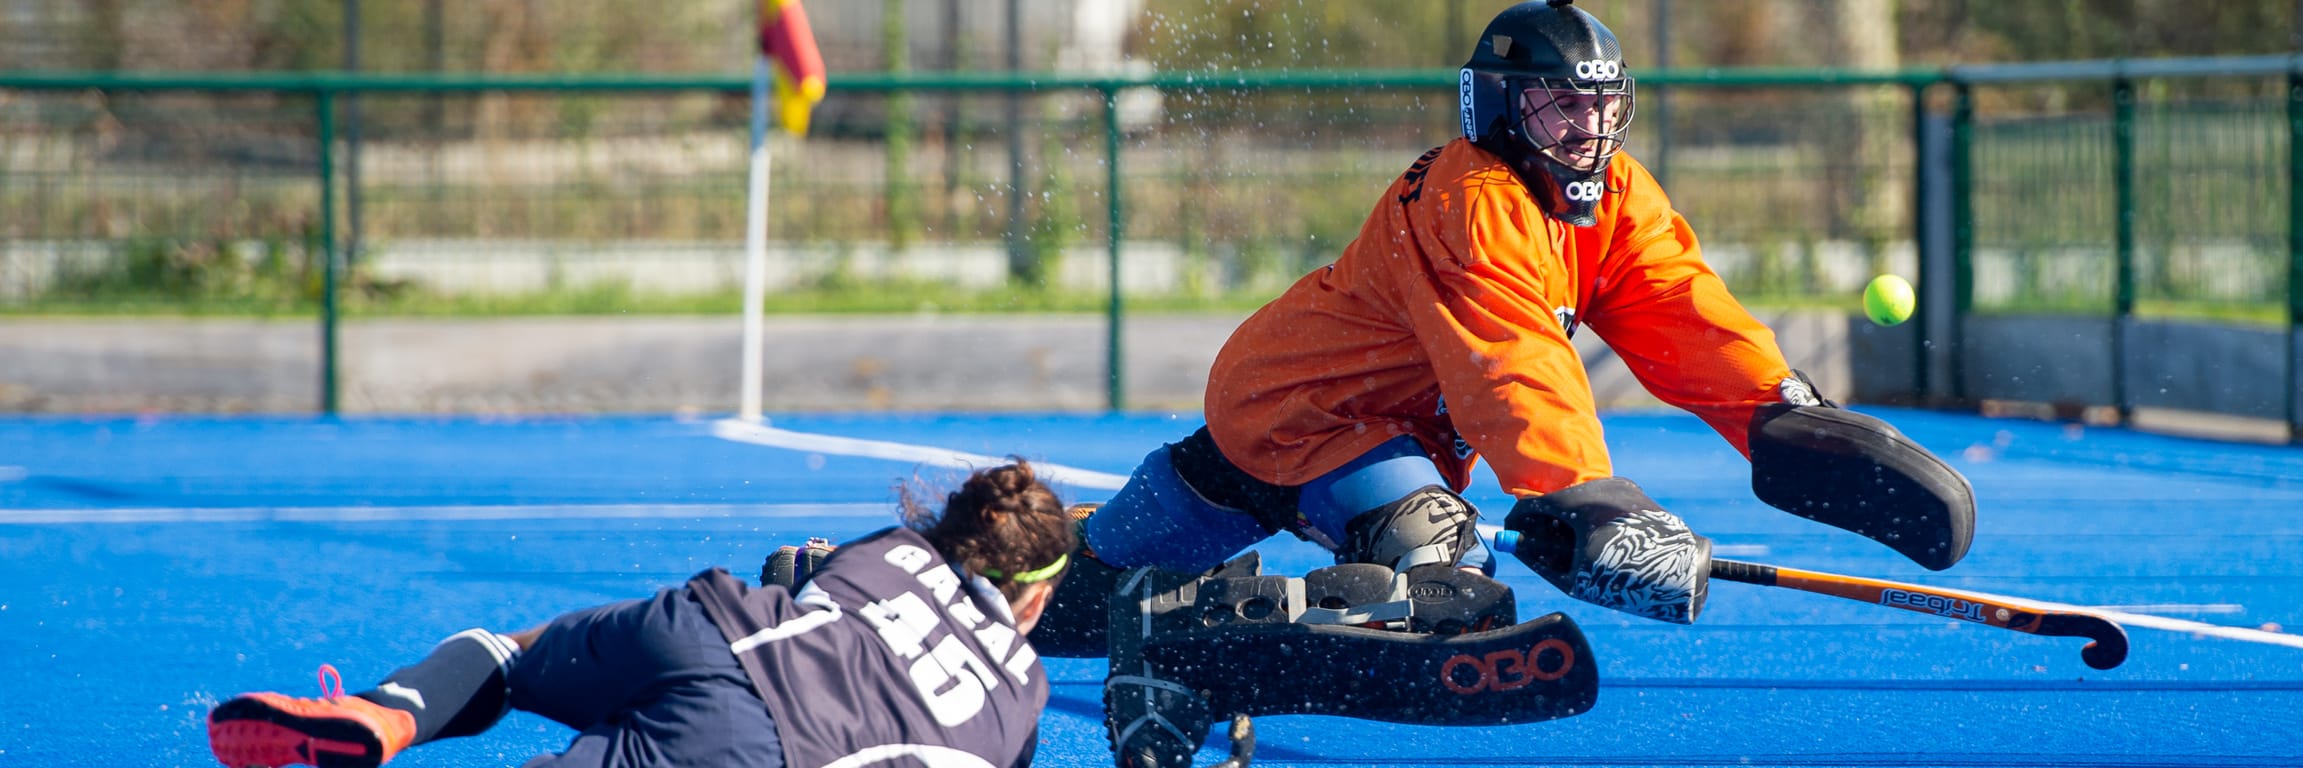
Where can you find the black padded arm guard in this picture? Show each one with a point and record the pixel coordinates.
(1848, 470)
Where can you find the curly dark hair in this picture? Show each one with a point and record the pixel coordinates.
(1002, 521)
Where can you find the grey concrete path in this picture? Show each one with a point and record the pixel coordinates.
(671, 364)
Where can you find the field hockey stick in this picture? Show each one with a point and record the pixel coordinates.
(2108, 642)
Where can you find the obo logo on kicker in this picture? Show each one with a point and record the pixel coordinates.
(1507, 669)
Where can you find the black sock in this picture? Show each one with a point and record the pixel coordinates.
(457, 690)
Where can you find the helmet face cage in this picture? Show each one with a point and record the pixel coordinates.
(1579, 124)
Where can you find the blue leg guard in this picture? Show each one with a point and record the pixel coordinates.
(1158, 520)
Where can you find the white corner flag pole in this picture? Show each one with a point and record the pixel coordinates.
(756, 247)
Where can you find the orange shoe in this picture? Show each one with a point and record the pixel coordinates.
(337, 731)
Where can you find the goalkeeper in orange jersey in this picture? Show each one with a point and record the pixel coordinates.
(1351, 409)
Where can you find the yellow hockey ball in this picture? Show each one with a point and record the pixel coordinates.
(1888, 300)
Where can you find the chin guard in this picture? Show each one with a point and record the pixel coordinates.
(1567, 194)
(1851, 471)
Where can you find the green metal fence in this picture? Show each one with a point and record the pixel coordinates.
(2154, 194)
(2132, 186)
(2119, 188)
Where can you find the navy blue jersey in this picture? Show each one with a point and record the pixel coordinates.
(888, 656)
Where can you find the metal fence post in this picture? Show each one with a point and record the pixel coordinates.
(1963, 231)
(1115, 392)
(2123, 186)
(2294, 388)
(326, 99)
(1922, 238)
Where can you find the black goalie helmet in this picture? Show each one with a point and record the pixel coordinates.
(1546, 89)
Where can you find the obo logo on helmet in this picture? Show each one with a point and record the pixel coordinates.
(1599, 69)
(1466, 85)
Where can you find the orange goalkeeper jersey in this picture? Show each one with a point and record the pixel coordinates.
(1447, 319)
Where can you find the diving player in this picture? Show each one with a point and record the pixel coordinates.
(906, 642)
(1350, 410)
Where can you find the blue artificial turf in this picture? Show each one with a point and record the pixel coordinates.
(151, 566)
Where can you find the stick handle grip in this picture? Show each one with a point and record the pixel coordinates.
(1505, 541)
(1739, 571)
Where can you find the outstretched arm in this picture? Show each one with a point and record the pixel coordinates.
(1669, 316)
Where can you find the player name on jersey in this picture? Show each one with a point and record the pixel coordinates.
(950, 677)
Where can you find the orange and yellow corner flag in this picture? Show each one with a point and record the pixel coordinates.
(799, 68)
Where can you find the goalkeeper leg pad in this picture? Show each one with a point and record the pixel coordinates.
(1076, 624)
(1152, 718)
(1236, 642)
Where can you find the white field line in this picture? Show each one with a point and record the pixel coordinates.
(2192, 609)
(761, 434)
(2197, 628)
(391, 514)
(2129, 618)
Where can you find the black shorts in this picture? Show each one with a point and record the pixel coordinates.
(650, 684)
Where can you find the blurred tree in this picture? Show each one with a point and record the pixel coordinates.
(900, 195)
(1190, 35)
(710, 35)
(1980, 31)
(1866, 200)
